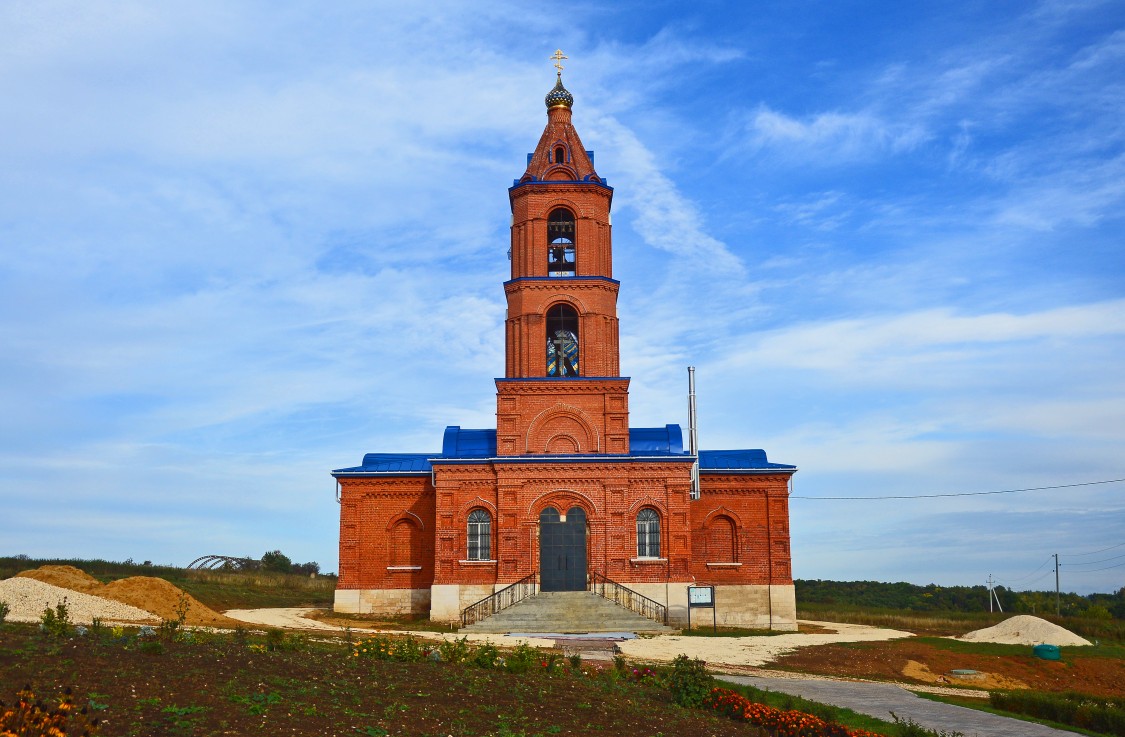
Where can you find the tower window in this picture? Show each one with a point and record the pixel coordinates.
(560, 243)
(562, 341)
(560, 155)
(480, 535)
(648, 534)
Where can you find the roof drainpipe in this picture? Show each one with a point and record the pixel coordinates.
(693, 433)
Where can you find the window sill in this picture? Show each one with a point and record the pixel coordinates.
(478, 562)
(644, 561)
(404, 568)
(724, 565)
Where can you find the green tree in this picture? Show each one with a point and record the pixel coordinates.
(276, 561)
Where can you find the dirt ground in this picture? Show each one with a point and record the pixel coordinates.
(916, 661)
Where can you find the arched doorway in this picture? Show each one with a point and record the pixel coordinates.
(562, 550)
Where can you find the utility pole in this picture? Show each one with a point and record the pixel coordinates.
(990, 593)
(1058, 608)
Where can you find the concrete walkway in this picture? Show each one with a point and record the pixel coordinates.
(879, 699)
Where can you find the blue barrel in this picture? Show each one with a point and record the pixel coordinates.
(1046, 652)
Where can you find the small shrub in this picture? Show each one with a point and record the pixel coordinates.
(485, 656)
(406, 650)
(520, 659)
(275, 639)
(454, 651)
(619, 664)
(151, 647)
(171, 629)
(575, 660)
(56, 622)
(4, 610)
(689, 681)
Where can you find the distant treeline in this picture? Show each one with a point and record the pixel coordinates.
(933, 598)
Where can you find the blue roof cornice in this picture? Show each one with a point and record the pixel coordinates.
(516, 184)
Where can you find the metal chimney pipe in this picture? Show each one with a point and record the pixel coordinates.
(693, 433)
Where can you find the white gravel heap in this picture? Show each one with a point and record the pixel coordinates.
(1024, 629)
(27, 599)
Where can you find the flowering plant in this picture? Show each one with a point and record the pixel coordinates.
(779, 722)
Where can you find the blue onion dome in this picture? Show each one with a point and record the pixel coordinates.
(559, 97)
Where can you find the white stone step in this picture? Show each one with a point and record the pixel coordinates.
(566, 612)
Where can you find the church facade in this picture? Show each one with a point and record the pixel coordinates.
(563, 492)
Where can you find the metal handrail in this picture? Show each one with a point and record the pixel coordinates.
(514, 593)
(626, 597)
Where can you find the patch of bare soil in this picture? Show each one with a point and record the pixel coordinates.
(916, 671)
(1080, 670)
(67, 577)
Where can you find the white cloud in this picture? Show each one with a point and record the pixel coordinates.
(829, 137)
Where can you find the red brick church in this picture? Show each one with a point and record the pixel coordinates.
(563, 494)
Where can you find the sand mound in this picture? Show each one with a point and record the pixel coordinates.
(1023, 629)
(28, 597)
(161, 598)
(67, 577)
(147, 593)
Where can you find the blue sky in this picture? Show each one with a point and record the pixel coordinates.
(245, 243)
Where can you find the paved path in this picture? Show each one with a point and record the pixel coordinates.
(879, 699)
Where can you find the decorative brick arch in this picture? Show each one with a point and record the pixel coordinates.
(407, 516)
(562, 499)
(562, 429)
(648, 501)
(564, 202)
(560, 173)
(472, 504)
(561, 298)
(723, 512)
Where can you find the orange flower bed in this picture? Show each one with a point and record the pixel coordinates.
(778, 722)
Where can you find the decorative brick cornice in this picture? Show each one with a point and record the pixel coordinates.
(542, 385)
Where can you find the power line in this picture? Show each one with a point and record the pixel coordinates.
(1095, 570)
(1095, 562)
(962, 493)
(1093, 552)
(1048, 560)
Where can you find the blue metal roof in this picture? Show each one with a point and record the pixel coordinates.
(459, 443)
(391, 463)
(738, 460)
(667, 440)
(471, 444)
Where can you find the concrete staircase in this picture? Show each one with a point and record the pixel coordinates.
(566, 612)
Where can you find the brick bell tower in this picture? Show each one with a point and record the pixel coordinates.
(562, 392)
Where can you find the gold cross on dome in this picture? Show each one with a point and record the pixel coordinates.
(558, 56)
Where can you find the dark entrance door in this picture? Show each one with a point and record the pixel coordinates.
(562, 550)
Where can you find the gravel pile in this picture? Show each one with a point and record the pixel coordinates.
(27, 599)
(1023, 629)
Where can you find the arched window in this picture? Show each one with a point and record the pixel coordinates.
(648, 534)
(562, 341)
(720, 541)
(480, 535)
(560, 155)
(560, 243)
